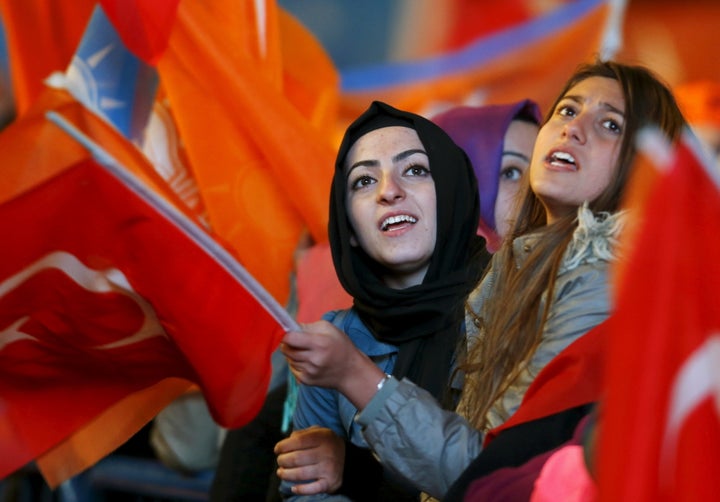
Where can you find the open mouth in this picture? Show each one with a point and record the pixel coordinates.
(563, 160)
(396, 221)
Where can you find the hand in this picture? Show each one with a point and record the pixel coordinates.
(323, 356)
(315, 453)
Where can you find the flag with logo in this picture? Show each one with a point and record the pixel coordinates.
(252, 93)
(660, 422)
(247, 93)
(113, 298)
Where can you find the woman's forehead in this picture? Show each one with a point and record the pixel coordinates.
(383, 142)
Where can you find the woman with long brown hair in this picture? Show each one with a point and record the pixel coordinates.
(546, 287)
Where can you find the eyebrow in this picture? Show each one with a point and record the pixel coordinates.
(580, 99)
(397, 158)
(513, 153)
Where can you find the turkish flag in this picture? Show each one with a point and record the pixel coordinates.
(112, 300)
(660, 423)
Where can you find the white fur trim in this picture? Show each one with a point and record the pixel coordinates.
(595, 238)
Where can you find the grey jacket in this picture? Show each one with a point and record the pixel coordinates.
(429, 446)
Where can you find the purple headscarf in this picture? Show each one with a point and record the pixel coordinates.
(480, 131)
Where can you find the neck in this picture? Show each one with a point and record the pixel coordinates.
(404, 280)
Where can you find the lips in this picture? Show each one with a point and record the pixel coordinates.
(397, 221)
(562, 160)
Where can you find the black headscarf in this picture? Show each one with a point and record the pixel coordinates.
(425, 321)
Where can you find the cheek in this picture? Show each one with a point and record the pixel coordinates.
(356, 217)
(501, 205)
(604, 174)
(431, 210)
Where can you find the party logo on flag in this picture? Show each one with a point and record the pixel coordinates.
(108, 79)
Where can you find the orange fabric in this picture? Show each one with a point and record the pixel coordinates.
(700, 102)
(107, 431)
(19, 147)
(261, 166)
(42, 36)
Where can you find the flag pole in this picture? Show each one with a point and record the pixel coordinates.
(172, 214)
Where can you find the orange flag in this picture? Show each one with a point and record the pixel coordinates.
(250, 90)
(660, 422)
(42, 36)
(113, 299)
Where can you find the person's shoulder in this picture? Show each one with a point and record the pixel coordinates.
(349, 321)
(341, 318)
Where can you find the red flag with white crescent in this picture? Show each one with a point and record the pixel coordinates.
(112, 300)
(660, 428)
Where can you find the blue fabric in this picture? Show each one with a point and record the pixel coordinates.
(328, 408)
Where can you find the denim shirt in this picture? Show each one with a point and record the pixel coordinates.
(327, 407)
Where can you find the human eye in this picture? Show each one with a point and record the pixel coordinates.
(565, 110)
(613, 126)
(360, 181)
(417, 170)
(511, 173)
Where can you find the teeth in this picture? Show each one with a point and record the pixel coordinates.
(392, 220)
(563, 156)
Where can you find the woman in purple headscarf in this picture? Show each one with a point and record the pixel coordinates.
(499, 140)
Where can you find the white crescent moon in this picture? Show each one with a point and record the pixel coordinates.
(98, 281)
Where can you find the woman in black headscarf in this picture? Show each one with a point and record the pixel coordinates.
(408, 257)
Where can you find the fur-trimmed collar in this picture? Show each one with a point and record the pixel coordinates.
(595, 239)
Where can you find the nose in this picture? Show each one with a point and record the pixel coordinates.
(575, 129)
(390, 189)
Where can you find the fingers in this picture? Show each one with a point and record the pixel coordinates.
(303, 439)
(293, 467)
(319, 486)
(312, 488)
(295, 340)
(315, 453)
(325, 480)
(297, 460)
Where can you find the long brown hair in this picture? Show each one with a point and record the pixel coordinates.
(510, 336)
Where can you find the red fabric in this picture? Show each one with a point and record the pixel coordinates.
(472, 19)
(102, 300)
(572, 378)
(318, 287)
(143, 25)
(660, 428)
